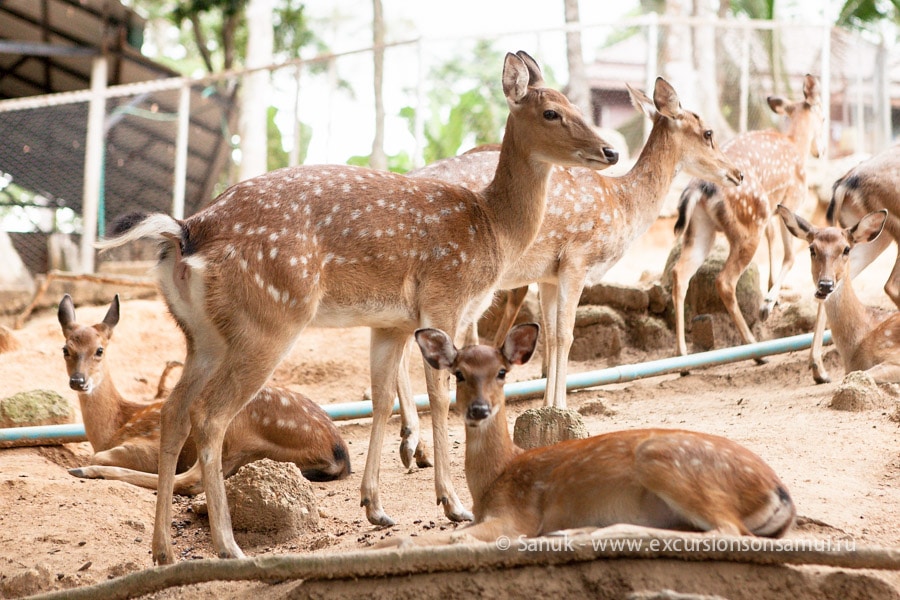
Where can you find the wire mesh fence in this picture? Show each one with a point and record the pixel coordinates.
(323, 111)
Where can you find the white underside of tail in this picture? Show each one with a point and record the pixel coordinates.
(156, 226)
(771, 518)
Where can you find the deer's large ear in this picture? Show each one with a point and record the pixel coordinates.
(797, 225)
(777, 104)
(665, 98)
(437, 348)
(112, 314)
(66, 313)
(516, 77)
(520, 343)
(869, 227)
(811, 89)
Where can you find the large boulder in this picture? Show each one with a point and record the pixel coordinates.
(35, 407)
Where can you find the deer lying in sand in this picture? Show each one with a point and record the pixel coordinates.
(864, 343)
(342, 246)
(660, 478)
(774, 167)
(278, 424)
(869, 186)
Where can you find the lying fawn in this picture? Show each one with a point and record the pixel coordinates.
(592, 219)
(341, 246)
(277, 423)
(867, 187)
(660, 478)
(774, 165)
(864, 343)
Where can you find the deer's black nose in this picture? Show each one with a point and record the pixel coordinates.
(77, 382)
(611, 155)
(478, 410)
(824, 287)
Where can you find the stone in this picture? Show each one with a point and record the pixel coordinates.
(599, 332)
(648, 333)
(703, 334)
(271, 498)
(858, 392)
(621, 297)
(537, 427)
(35, 407)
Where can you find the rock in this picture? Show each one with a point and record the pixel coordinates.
(649, 333)
(36, 407)
(269, 497)
(547, 425)
(26, 583)
(703, 334)
(858, 392)
(8, 341)
(796, 318)
(595, 407)
(658, 298)
(702, 296)
(620, 297)
(598, 333)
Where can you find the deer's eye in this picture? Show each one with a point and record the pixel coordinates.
(66, 352)
(812, 252)
(846, 250)
(459, 377)
(501, 375)
(708, 134)
(551, 115)
(99, 352)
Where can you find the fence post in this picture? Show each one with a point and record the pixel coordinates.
(93, 162)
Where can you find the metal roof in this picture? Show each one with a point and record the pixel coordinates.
(46, 47)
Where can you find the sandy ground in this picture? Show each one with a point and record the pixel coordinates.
(57, 531)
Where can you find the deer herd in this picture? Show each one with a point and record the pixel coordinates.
(420, 256)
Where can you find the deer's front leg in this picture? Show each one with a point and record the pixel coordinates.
(439, 398)
(815, 352)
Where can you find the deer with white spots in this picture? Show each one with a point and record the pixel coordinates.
(864, 343)
(869, 186)
(592, 219)
(774, 167)
(341, 246)
(278, 424)
(660, 478)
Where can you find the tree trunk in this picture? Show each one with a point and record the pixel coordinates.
(378, 160)
(579, 90)
(255, 93)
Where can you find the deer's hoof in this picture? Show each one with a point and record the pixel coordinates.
(765, 311)
(760, 360)
(455, 512)
(376, 515)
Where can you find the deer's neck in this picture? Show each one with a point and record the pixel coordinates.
(489, 450)
(848, 319)
(104, 411)
(651, 176)
(517, 196)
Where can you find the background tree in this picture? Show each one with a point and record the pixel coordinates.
(578, 91)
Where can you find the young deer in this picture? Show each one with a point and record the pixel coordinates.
(592, 219)
(661, 478)
(774, 167)
(864, 343)
(867, 187)
(277, 423)
(342, 246)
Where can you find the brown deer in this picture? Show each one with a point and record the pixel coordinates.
(864, 343)
(867, 187)
(592, 219)
(278, 424)
(774, 167)
(660, 478)
(340, 246)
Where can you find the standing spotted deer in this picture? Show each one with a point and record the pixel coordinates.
(340, 246)
(660, 478)
(278, 424)
(869, 186)
(774, 167)
(592, 219)
(864, 343)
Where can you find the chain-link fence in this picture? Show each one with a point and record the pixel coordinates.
(171, 143)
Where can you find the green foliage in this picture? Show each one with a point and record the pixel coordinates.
(861, 14)
(397, 163)
(464, 103)
(276, 155)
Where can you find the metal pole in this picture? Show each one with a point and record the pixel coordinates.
(181, 150)
(620, 374)
(93, 163)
